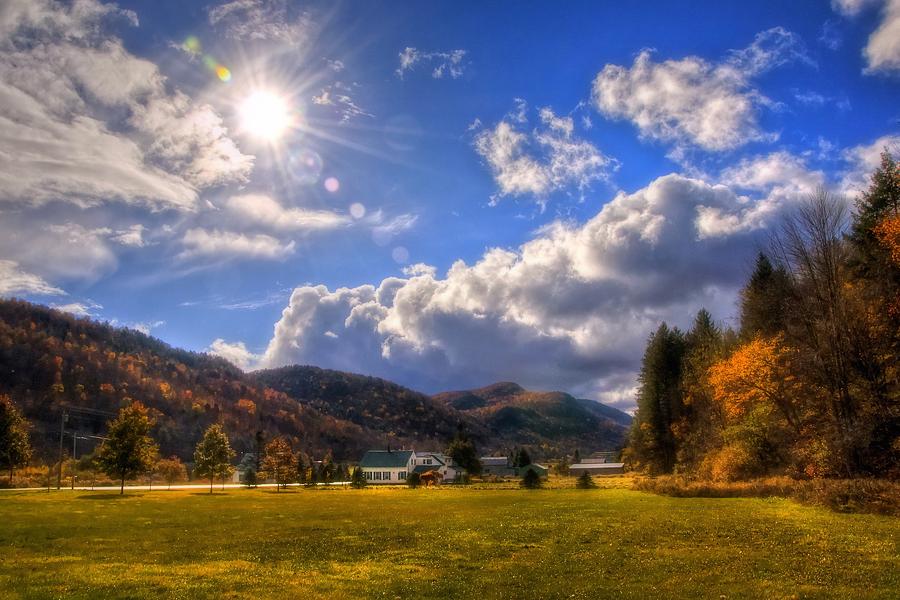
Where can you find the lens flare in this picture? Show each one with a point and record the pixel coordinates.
(400, 255)
(304, 166)
(332, 184)
(357, 210)
(223, 73)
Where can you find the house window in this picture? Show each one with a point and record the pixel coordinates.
(401, 475)
(387, 475)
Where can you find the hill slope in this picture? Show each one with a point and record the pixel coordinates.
(49, 359)
(555, 422)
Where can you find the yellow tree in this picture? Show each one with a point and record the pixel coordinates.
(756, 374)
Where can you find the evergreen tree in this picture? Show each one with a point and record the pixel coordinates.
(701, 421)
(212, 457)
(259, 440)
(128, 450)
(301, 469)
(531, 480)
(463, 452)
(413, 480)
(585, 481)
(576, 458)
(250, 477)
(15, 449)
(358, 479)
(652, 444)
(764, 300)
(523, 459)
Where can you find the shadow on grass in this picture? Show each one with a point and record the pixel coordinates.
(109, 496)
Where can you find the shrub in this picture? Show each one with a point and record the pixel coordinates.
(531, 480)
(250, 478)
(413, 480)
(585, 482)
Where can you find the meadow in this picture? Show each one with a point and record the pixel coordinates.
(610, 542)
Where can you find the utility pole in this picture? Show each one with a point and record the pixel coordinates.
(62, 430)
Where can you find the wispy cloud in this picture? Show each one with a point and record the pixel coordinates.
(14, 281)
(448, 63)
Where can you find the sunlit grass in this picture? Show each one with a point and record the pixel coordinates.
(427, 543)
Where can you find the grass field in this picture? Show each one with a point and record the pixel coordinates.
(400, 543)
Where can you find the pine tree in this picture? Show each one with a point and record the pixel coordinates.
(585, 481)
(531, 480)
(358, 479)
(523, 459)
(576, 458)
(128, 449)
(250, 477)
(212, 457)
(15, 449)
(463, 452)
(764, 300)
(652, 443)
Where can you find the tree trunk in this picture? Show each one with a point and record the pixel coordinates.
(210, 484)
(122, 487)
(10, 474)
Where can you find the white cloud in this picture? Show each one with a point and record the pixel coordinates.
(264, 211)
(223, 245)
(272, 20)
(337, 96)
(79, 309)
(569, 309)
(235, 353)
(692, 101)
(863, 159)
(132, 236)
(548, 159)
(84, 121)
(882, 50)
(14, 281)
(146, 327)
(441, 63)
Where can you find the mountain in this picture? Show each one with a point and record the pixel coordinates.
(373, 403)
(555, 422)
(50, 359)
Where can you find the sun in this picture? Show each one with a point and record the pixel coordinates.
(265, 115)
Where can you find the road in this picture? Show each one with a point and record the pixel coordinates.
(163, 487)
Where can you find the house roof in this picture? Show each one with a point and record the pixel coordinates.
(494, 461)
(597, 466)
(424, 468)
(385, 458)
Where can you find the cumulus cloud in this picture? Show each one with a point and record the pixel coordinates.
(264, 211)
(692, 101)
(85, 121)
(237, 353)
(569, 309)
(441, 63)
(271, 20)
(61, 252)
(882, 50)
(550, 158)
(14, 281)
(223, 245)
(133, 236)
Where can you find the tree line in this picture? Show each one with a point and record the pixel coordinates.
(807, 384)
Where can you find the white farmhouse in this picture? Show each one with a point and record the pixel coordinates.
(387, 466)
(393, 466)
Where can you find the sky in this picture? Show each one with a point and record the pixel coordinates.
(439, 194)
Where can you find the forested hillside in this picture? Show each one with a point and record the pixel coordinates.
(49, 359)
(556, 423)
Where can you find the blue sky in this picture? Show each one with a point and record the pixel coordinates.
(442, 195)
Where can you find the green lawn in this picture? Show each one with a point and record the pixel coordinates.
(400, 543)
